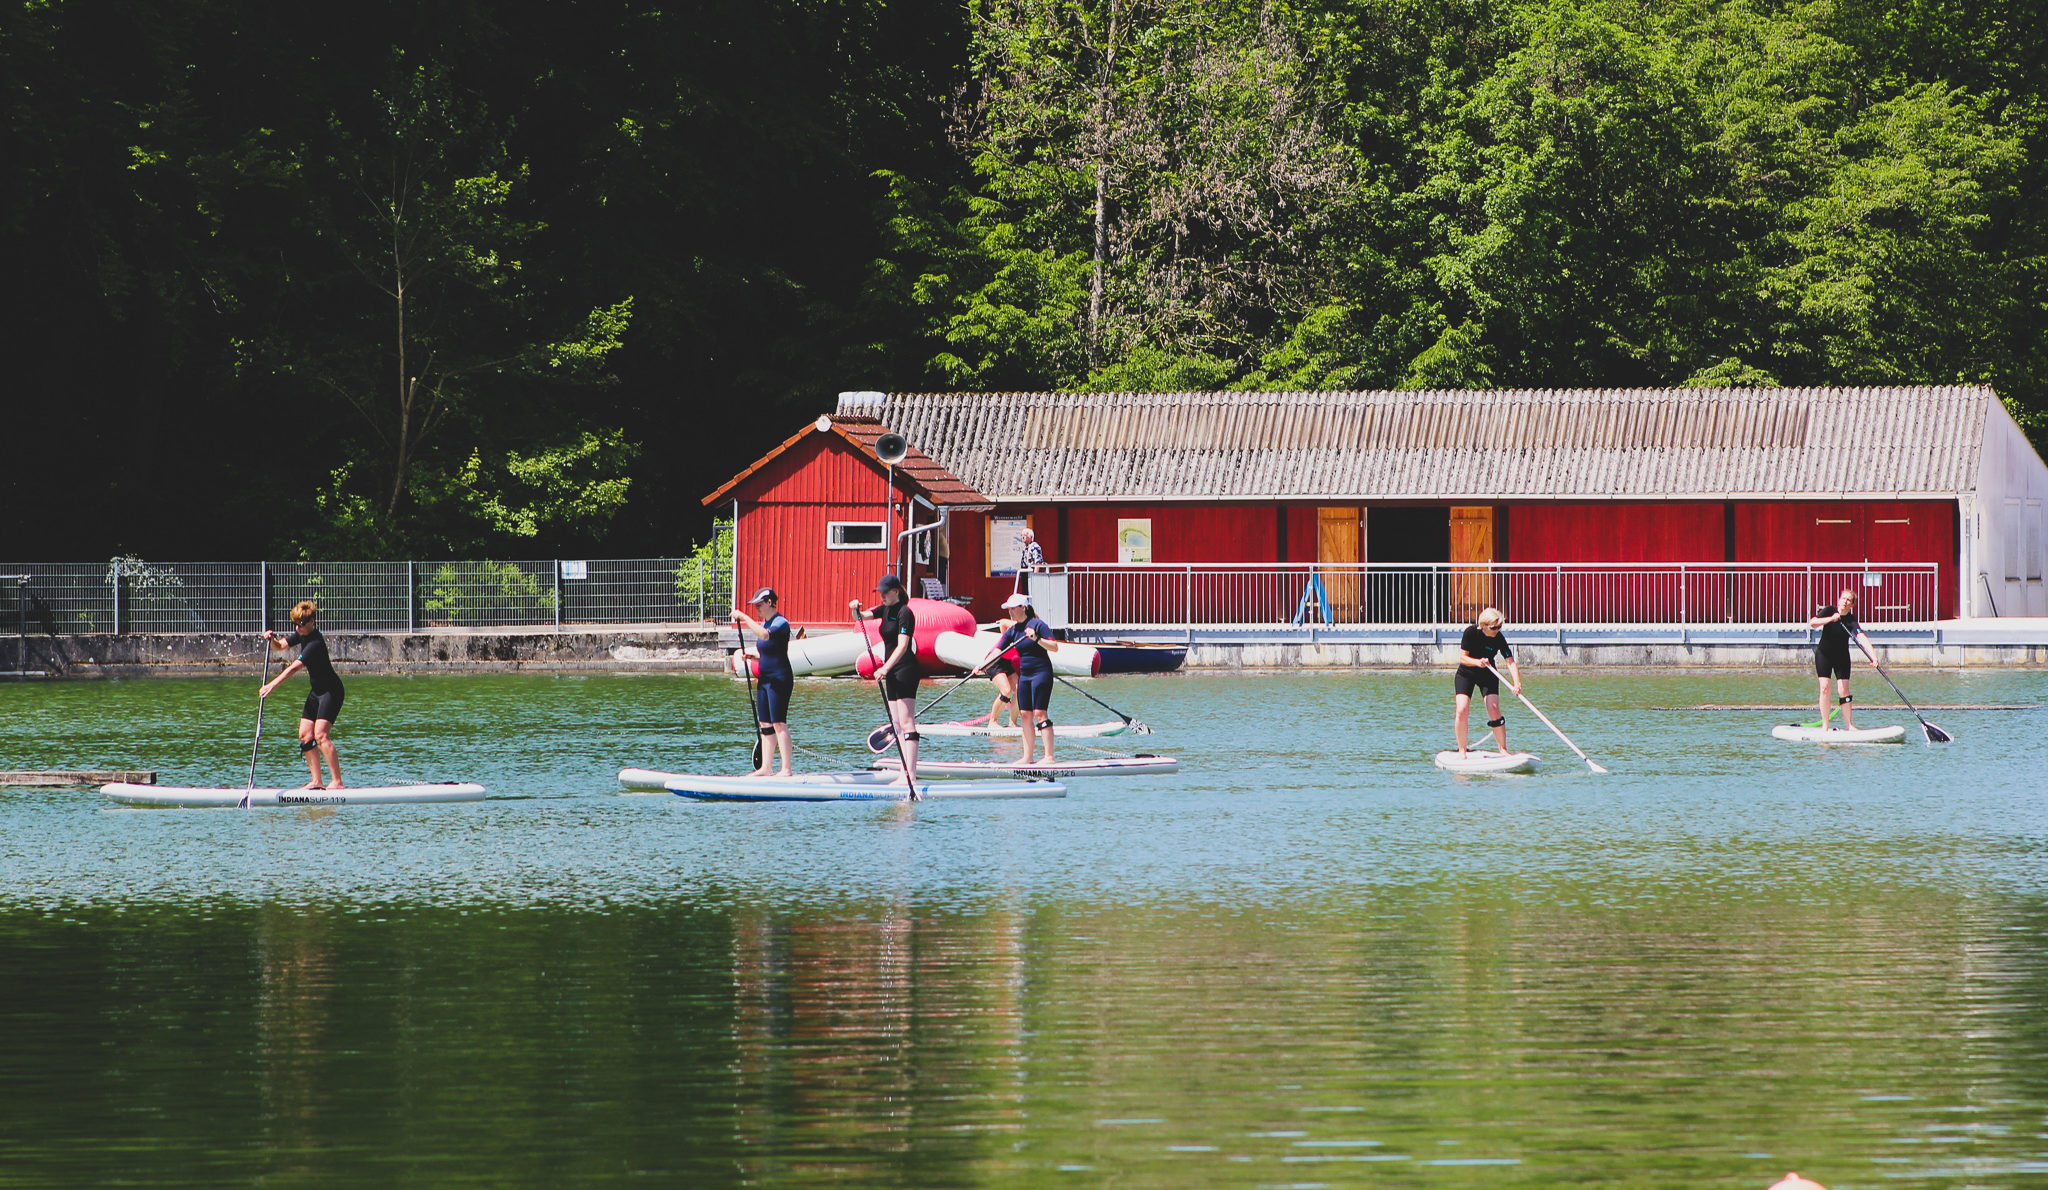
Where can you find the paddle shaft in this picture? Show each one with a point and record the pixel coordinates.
(257, 746)
(878, 739)
(1128, 721)
(753, 703)
(882, 688)
(1547, 723)
(1934, 734)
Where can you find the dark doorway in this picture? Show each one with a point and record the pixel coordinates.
(1407, 533)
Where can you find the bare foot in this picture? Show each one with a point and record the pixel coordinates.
(759, 773)
(785, 773)
(313, 784)
(334, 785)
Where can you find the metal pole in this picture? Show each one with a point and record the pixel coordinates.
(116, 572)
(412, 597)
(558, 594)
(262, 598)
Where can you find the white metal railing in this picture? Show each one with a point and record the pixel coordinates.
(1312, 594)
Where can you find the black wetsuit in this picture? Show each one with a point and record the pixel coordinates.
(1476, 643)
(777, 679)
(898, 621)
(1831, 651)
(325, 700)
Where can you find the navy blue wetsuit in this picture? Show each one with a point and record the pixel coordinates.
(325, 700)
(1034, 665)
(772, 702)
(898, 621)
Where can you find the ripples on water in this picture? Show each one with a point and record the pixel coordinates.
(1307, 959)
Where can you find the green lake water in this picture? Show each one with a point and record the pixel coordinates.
(1308, 959)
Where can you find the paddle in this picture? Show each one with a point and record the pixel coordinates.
(878, 739)
(1552, 726)
(753, 706)
(1131, 725)
(883, 689)
(1935, 735)
(256, 747)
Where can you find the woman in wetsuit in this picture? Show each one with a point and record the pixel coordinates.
(1030, 637)
(323, 705)
(1837, 626)
(1481, 643)
(776, 677)
(898, 670)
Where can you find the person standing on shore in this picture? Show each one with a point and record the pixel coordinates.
(1838, 627)
(1481, 643)
(771, 702)
(898, 670)
(1031, 554)
(323, 705)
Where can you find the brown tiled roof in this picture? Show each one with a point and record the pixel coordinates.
(1449, 445)
(917, 471)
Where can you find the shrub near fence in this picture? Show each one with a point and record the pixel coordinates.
(132, 595)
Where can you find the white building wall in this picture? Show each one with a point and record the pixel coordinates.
(2005, 549)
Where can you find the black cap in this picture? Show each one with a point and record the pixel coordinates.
(889, 582)
(763, 595)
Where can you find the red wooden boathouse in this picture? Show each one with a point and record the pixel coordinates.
(1569, 503)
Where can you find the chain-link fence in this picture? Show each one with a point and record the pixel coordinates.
(134, 595)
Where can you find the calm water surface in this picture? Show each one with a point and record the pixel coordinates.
(1308, 959)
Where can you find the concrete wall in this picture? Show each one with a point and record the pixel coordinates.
(140, 655)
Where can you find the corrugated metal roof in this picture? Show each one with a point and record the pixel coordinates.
(1451, 444)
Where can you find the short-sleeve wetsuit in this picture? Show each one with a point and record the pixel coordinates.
(1034, 665)
(1475, 643)
(325, 700)
(777, 679)
(1831, 651)
(898, 621)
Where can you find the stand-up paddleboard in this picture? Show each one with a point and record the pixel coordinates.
(1106, 766)
(1487, 762)
(847, 787)
(1059, 730)
(367, 795)
(1800, 733)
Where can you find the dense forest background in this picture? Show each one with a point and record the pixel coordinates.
(528, 279)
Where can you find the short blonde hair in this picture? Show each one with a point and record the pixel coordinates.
(304, 610)
(1490, 618)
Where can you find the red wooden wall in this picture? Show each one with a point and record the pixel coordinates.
(1851, 531)
(784, 510)
(1610, 532)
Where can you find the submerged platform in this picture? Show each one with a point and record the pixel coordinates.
(80, 778)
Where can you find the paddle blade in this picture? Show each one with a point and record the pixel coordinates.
(1936, 735)
(757, 751)
(1137, 727)
(878, 740)
(1594, 767)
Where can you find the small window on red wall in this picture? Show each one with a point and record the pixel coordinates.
(855, 535)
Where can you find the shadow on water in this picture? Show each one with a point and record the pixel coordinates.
(1308, 959)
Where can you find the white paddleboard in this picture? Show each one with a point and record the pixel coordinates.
(846, 787)
(1107, 766)
(1071, 659)
(368, 795)
(1838, 735)
(1487, 762)
(1059, 730)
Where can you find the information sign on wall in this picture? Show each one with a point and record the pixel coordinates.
(1133, 541)
(1005, 543)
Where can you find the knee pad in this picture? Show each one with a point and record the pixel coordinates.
(767, 731)
(308, 745)
(1847, 698)
(1002, 698)
(1500, 722)
(911, 735)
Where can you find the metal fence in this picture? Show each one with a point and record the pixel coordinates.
(130, 595)
(1275, 595)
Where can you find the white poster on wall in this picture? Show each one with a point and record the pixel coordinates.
(1133, 541)
(1005, 543)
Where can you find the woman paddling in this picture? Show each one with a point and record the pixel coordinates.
(1838, 627)
(1481, 643)
(777, 679)
(1031, 637)
(898, 671)
(323, 705)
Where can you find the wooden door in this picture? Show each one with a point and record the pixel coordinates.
(1471, 560)
(1340, 539)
